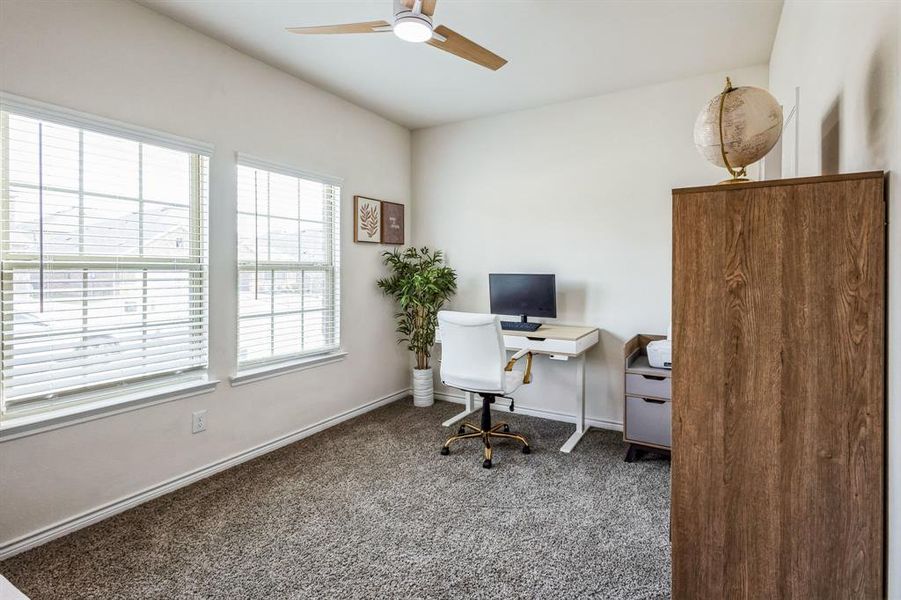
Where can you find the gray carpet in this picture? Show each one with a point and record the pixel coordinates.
(369, 509)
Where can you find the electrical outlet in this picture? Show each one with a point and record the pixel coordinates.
(198, 421)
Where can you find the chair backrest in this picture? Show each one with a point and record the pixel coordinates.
(472, 351)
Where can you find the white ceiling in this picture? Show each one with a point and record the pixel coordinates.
(557, 50)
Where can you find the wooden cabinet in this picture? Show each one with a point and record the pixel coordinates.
(778, 450)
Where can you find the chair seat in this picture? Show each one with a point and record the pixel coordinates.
(512, 381)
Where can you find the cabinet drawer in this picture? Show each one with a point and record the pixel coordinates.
(649, 421)
(648, 385)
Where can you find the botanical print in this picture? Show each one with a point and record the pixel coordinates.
(367, 220)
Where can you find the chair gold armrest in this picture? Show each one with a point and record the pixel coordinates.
(527, 374)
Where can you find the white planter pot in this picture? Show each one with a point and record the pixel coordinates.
(423, 387)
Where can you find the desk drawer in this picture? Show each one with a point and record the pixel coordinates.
(648, 385)
(543, 346)
(550, 345)
(649, 420)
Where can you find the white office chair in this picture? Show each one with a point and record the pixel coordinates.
(473, 359)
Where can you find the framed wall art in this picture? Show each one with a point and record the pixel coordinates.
(367, 220)
(392, 223)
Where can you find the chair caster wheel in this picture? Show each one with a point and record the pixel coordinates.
(506, 429)
(445, 451)
(461, 431)
(526, 450)
(486, 464)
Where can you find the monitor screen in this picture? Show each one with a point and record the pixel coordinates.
(521, 294)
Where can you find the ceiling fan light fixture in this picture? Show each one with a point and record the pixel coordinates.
(413, 23)
(413, 28)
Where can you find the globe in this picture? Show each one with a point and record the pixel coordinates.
(751, 126)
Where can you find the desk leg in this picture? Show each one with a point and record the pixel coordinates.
(470, 408)
(580, 408)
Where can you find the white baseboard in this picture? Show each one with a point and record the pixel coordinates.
(538, 412)
(44, 535)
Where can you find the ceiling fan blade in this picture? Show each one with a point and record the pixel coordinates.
(370, 27)
(466, 48)
(428, 6)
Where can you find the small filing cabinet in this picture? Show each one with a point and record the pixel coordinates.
(647, 406)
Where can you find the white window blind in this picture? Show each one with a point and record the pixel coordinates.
(288, 263)
(103, 257)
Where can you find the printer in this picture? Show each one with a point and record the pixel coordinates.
(660, 352)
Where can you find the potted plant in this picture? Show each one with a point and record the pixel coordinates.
(421, 283)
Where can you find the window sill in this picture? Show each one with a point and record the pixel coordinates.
(30, 424)
(290, 366)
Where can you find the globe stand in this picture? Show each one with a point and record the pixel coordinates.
(738, 175)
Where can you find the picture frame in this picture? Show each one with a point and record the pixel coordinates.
(392, 223)
(367, 220)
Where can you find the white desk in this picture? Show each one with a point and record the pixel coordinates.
(559, 342)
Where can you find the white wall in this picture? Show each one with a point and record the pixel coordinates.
(581, 189)
(845, 57)
(122, 61)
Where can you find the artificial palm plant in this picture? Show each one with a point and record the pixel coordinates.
(421, 283)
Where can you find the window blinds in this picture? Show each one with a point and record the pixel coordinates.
(103, 257)
(288, 263)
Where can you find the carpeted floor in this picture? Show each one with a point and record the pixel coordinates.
(370, 509)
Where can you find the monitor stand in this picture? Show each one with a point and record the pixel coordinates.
(521, 325)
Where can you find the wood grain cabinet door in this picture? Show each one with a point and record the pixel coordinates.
(779, 389)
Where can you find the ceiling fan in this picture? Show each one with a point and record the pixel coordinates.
(413, 23)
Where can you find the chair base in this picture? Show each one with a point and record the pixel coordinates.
(486, 432)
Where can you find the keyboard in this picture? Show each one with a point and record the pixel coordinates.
(519, 326)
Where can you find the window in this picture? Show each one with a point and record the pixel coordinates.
(288, 264)
(103, 259)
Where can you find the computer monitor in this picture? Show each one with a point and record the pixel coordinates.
(526, 295)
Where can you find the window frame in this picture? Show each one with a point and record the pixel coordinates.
(255, 369)
(196, 264)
